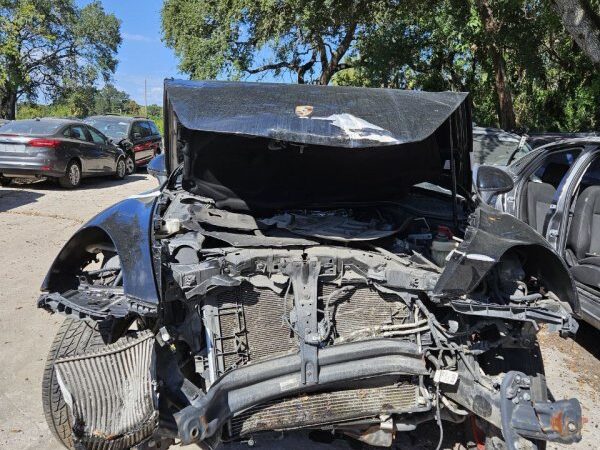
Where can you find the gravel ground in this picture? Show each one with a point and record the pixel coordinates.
(37, 219)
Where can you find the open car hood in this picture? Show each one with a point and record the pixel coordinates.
(269, 146)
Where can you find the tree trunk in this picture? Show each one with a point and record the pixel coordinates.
(506, 111)
(583, 24)
(8, 104)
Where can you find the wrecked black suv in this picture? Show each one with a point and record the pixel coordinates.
(314, 261)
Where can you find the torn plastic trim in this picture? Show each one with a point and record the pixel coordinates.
(95, 303)
(560, 320)
(257, 383)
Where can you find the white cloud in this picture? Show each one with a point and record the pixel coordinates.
(139, 38)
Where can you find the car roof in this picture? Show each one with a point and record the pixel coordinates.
(59, 120)
(116, 118)
(497, 132)
(595, 140)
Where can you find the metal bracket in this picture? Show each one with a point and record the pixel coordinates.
(523, 416)
(304, 277)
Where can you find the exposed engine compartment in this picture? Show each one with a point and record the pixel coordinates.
(252, 290)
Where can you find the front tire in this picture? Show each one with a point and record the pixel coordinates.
(73, 338)
(130, 164)
(72, 178)
(121, 170)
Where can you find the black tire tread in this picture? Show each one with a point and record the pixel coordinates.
(73, 338)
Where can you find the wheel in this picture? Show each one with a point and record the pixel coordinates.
(121, 169)
(73, 338)
(130, 164)
(72, 178)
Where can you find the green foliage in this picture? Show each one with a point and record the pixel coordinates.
(87, 101)
(431, 45)
(308, 39)
(48, 46)
(445, 45)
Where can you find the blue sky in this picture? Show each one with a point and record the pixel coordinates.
(142, 55)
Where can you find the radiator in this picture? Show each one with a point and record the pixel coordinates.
(253, 323)
(110, 393)
(325, 408)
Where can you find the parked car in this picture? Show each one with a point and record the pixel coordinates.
(289, 275)
(138, 137)
(497, 147)
(557, 192)
(536, 140)
(62, 149)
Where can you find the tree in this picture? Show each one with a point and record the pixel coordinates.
(309, 39)
(46, 45)
(109, 100)
(582, 21)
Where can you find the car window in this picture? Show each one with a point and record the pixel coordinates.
(146, 130)
(114, 128)
(32, 127)
(97, 138)
(555, 167)
(154, 129)
(492, 149)
(137, 128)
(76, 132)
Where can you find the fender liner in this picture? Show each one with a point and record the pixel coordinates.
(489, 237)
(126, 226)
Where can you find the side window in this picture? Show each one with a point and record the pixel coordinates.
(97, 138)
(76, 132)
(154, 129)
(136, 129)
(555, 167)
(146, 130)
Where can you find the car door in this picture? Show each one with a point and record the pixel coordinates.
(156, 139)
(107, 154)
(81, 146)
(539, 179)
(140, 136)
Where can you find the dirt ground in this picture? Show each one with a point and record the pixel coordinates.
(37, 219)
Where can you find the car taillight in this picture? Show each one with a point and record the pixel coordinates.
(138, 148)
(48, 143)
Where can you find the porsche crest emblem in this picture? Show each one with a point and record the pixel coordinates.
(304, 111)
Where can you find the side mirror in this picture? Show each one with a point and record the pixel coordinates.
(158, 169)
(492, 179)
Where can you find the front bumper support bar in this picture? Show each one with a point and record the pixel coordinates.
(257, 383)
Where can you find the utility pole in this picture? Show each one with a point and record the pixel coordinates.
(146, 97)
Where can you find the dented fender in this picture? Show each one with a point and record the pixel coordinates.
(490, 235)
(126, 226)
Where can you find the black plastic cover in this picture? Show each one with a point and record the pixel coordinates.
(309, 114)
(252, 146)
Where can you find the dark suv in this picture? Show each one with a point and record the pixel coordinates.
(138, 137)
(295, 271)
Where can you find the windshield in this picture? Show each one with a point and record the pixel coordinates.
(494, 150)
(115, 129)
(31, 127)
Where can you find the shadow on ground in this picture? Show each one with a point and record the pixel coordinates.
(587, 336)
(12, 198)
(86, 183)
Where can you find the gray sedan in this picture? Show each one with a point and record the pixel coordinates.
(62, 149)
